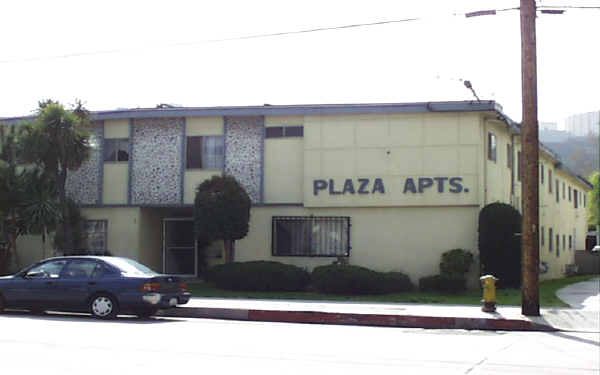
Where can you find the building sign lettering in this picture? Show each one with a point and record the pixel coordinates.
(376, 185)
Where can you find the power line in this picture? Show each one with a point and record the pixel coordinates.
(268, 35)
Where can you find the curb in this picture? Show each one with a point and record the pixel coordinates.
(379, 320)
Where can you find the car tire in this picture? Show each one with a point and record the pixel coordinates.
(2, 304)
(146, 313)
(104, 306)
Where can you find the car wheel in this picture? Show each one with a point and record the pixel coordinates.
(103, 306)
(145, 313)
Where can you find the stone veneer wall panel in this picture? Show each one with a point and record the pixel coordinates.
(244, 142)
(84, 185)
(156, 161)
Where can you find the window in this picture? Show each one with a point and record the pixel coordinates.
(51, 269)
(550, 238)
(519, 166)
(557, 190)
(205, 152)
(542, 236)
(492, 146)
(584, 200)
(569, 193)
(550, 181)
(542, 173)
(557, 245)
(575, 196)
(116, 149)
(284, 131)
(564, 190)
(564, 244)
(509, 156)
(96, 231)
(310, 236)
(570, 242)
(80, 268)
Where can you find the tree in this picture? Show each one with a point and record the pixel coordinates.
(57, 141)
(500, 243)
(222, 212)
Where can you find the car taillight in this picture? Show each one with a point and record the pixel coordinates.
(183, 286)
(151, 287)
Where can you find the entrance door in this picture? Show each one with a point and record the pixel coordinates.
(179, 250)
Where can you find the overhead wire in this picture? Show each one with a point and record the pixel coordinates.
(267, 35)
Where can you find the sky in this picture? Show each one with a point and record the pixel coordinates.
(129, 54)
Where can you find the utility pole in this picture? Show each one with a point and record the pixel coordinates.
(530, 293)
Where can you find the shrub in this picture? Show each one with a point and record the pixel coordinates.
(443, 283)
(456, 262)
(499, 244)
(347, 279)
(259, 276)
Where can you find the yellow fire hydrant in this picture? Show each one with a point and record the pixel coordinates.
(489, 293)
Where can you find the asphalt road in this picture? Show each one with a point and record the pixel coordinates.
(68, 344)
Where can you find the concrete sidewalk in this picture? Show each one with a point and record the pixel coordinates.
(394, 315)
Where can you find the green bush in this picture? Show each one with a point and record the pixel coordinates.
(443, 283)
(456, 262)
(347, 279)
(258, 276)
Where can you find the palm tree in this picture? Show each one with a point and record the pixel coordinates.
(58, 141)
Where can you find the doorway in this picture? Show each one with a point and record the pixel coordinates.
(179, 247)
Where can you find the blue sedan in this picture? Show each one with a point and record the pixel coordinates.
(101, 285)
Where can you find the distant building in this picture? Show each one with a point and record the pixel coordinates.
(583, 124)
(553, 135)
(548, 126)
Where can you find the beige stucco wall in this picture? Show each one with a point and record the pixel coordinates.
(203, 126)
(394, 148)
(497, 173)
(408, 239)
(150, 239)
(283, 170)
(114, 184)
(116, 128)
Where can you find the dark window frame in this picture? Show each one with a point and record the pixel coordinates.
(550, 181)
(542, 174)
(195, 147)
(343, 221)
(294, 131)
(509, 156)
(542, 236)
(575, 198)
(120, 153)
(550, 240)
(557, 190)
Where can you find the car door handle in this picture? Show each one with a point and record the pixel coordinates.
(92, 283)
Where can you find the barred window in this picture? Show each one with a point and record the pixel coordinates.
(95, 231)
(327, 236)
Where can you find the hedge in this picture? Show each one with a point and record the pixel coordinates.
(265, 276)
(348, 279)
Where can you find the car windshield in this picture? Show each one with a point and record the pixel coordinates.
(130, 267)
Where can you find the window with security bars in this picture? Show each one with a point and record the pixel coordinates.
(96, 231)
(311, 236)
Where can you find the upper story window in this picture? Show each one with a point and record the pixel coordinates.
(557, 190)
(492, 152)
(550, 247)
(584, 200)
(542, 174)
(542, 236)
(569, 193)
(564, 190)
(116, 149)
(550, 181)
(575, 196)
(284, 131)
(509, 155)
(205, 152)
